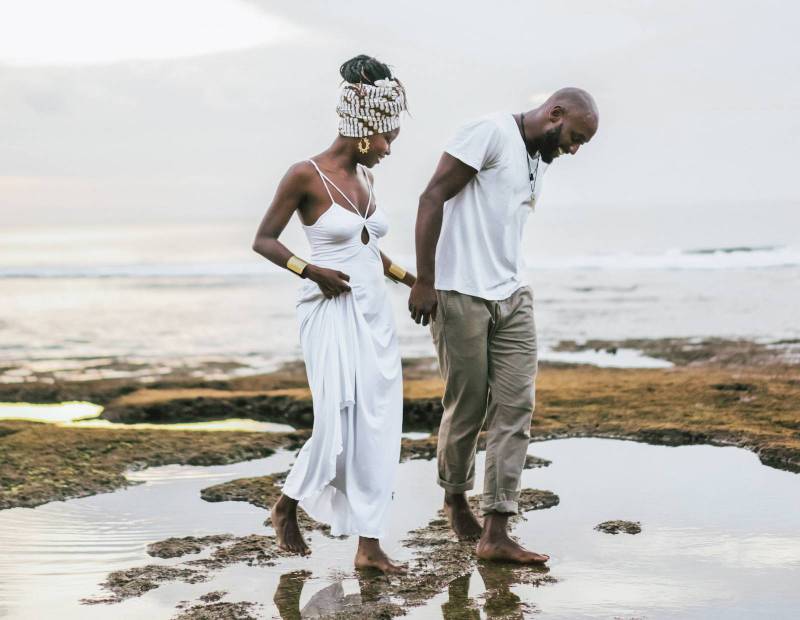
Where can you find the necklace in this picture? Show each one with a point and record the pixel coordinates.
(532, 174)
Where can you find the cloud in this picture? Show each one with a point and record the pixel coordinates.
(52, 32)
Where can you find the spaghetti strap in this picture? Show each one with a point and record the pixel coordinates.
(327, 182)
(324, 179)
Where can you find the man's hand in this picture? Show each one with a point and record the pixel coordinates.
(422, 302)
(332, 283)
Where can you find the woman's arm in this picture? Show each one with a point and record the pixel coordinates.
(408, 278)
(290, 195)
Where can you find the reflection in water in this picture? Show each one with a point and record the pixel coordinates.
(330, 600)
(498, 599)
(287, 595)
(496, 602)
(459, 605)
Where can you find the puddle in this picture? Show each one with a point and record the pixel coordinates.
(56, 413)
(415, 435)
(720, 538)
(87, 415)
(619, 358)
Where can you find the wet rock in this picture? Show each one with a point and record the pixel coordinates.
(213, 597)
(253, 550)
(134, 582)
(177, 547)
(532, 462)
(529, 499)
(617, 526)
(241, 610)
(780, 457)
(261, 491)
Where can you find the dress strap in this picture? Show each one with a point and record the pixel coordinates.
(327, 182)
(325, 179)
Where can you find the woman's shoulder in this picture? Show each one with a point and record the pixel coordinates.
(301, 170)
(299, 175)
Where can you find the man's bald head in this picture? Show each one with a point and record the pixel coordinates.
(575, 101)
(567, 120)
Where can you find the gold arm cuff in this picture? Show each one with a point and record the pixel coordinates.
(397, 271)
(297, 265)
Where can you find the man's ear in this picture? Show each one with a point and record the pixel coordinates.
(556, 113)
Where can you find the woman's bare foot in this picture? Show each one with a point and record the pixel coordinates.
(284, 522)
(495, 543)
(464, 523)
(370, 555)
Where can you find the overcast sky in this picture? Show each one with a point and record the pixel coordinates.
(145, 111)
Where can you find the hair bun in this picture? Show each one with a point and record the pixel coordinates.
(363, 69)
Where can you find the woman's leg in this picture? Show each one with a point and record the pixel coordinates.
(284, 522)
(370, 555)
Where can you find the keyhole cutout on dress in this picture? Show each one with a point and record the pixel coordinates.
(364, 235)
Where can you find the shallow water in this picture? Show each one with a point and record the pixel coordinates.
(86, 415)
(720, 538)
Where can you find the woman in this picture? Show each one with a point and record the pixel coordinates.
(345, 473)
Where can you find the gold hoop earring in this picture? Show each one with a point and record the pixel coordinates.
(363, 149)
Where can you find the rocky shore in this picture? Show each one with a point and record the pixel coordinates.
(709, 397)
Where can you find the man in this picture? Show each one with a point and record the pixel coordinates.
(468, 238)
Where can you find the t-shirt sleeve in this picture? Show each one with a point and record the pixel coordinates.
(477, 144)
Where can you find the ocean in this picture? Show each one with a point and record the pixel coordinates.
(160, 294)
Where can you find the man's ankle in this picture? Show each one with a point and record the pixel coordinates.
(456, 499)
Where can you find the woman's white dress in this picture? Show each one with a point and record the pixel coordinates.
(344, 475)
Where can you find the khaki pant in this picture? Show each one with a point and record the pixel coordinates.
(487, 357)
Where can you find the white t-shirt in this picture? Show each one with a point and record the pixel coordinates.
(479, 251)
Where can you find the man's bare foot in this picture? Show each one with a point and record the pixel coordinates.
(370, 555)
(464, 523)
(495, 543)
(284, 521)
(508, 551)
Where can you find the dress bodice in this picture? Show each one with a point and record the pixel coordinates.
(335, 237)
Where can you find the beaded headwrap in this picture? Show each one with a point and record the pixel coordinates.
(365, 109)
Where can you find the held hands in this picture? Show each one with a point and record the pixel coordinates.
(422, 302)
(332, 283)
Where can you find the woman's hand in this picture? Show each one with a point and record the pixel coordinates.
(332, 283)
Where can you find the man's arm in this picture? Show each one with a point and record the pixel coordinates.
(451, 177)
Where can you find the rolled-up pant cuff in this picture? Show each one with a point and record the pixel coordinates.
(462, 487)
(505, 506)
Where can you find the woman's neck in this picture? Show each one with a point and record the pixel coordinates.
(341, 154)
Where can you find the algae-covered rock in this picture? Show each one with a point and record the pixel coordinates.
(617, 526)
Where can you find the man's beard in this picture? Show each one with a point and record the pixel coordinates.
(549, 145)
